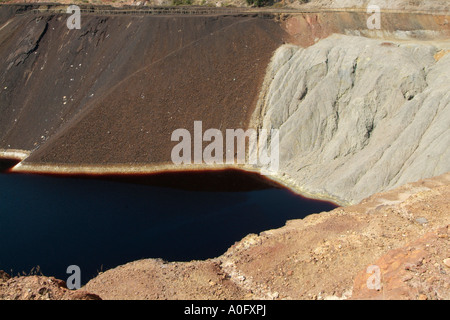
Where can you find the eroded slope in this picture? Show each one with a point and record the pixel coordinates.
(358, 116)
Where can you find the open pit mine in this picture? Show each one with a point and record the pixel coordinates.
(126, 134)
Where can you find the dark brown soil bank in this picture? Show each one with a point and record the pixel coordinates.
(114, 91)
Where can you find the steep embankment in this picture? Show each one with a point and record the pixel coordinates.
(358, 116)
(114, 91)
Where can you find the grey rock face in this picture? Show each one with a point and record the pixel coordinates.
(358, 116)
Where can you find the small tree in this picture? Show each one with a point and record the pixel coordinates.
(181, 2)
(260, 3)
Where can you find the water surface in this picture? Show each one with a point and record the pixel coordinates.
(97, 224)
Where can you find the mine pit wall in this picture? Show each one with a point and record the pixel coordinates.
(125, 84)
(114, 91)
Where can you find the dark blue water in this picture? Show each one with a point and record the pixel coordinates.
(54, 222)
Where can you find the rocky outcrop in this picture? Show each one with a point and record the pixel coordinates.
(358, 116)
(416, 271)
(39, 288)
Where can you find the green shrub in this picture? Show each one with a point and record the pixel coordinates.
(181, 2)
(260, 3)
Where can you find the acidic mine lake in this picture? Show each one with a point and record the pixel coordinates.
(99, 223)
